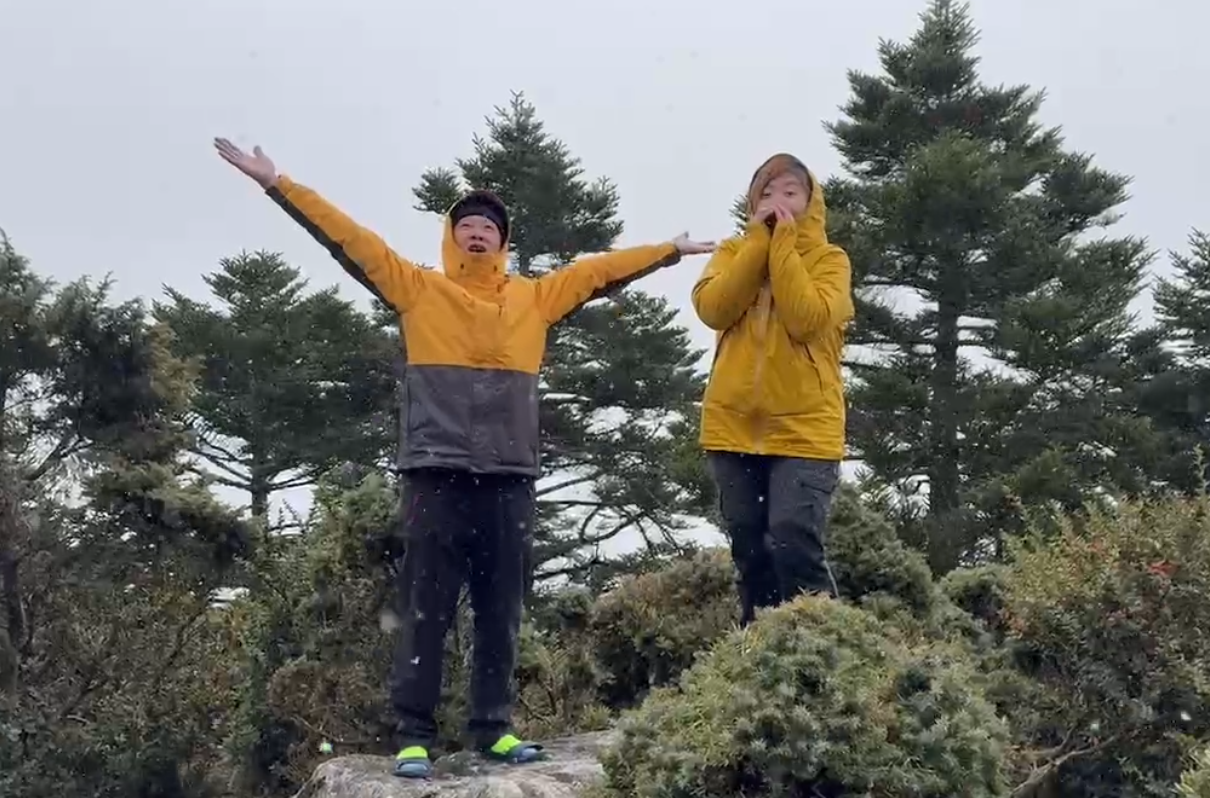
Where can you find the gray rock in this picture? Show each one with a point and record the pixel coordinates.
(571, 766)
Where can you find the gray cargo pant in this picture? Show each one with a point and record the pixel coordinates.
(775, 511)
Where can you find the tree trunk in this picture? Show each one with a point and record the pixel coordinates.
(945, 543)
(4, 380)
(258, 487)
(12, 613)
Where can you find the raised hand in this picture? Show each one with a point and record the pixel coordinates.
(687, 247)
(257, 166)
(764, 213)
(784, 215)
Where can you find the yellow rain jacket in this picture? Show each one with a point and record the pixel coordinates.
(780, 302)
(475, 335)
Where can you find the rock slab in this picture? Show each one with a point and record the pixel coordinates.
(570, 767)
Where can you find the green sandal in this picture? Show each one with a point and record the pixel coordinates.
(514, 751)
(413, 763)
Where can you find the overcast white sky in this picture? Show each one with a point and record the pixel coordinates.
(107, 111)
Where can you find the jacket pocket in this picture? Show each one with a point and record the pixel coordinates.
(815, 370)
(506, 420)
(438, 413)
(733, 374)
(793, 383)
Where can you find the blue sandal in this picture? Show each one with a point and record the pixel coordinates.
(514, 751)
(413, 763)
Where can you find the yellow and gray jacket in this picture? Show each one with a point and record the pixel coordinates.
(475, 335)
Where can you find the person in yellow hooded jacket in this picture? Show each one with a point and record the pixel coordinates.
(773, 416)
(475, 338)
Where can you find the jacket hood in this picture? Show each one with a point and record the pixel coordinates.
(482, 268)
(812, 224)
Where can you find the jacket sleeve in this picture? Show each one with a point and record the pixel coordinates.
(362, 253)
(564, 290)
(732, 279)
(809, 301)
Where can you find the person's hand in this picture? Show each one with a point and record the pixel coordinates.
(763, 214)
(686, 247)
(783, 215)
(257, 166)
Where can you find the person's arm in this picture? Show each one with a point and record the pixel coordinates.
(732, 279)
(362, 253)
(809, 300)
(564, 290)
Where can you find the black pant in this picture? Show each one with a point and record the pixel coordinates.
(775, 510)
(461, 528)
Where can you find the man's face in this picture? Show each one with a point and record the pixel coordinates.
(477, 234)
(786, 190)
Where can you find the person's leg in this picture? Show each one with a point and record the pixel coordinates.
(428, 583)
(742, 481)
(500, 576)
(800, 496)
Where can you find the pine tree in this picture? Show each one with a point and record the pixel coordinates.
(972, 231)
(24, 347)
(619, 381)
(292, 383)
(109, 553)
(1179, 396)
(78, 376)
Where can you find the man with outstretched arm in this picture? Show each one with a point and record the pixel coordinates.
(475, 338)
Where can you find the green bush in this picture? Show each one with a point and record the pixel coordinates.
(650, 628)
(868, 558)
(1195, 781)
(315, 657)
(144, 721)
(124, 674)
(557, 684)
(979, 592)
(1108, 617)
(816, 695)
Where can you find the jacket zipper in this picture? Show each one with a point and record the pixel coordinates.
(765, 310)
